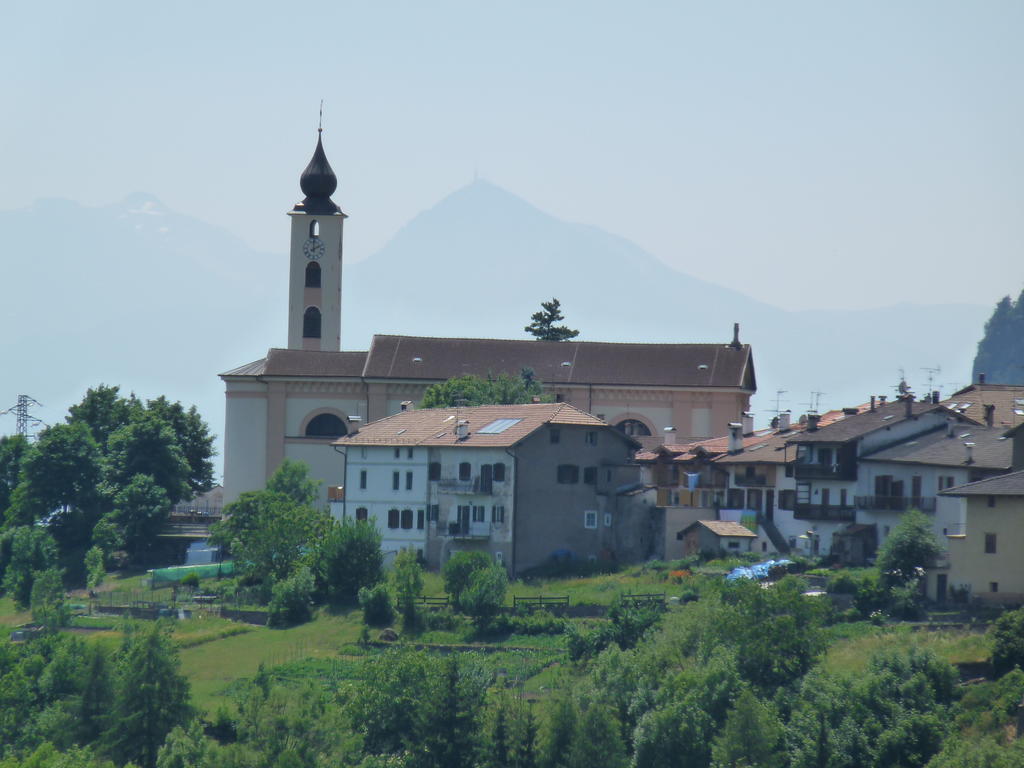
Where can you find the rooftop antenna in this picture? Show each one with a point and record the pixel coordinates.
(23, 419)
(932, 373)
(778, 400)
(320, 125)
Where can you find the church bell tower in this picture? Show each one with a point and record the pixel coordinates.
(314, 272)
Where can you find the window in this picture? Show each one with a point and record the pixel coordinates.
(465, 471)
(607, 519)
(842, 497)
(408, 481)
(734, 499)
(478, 514)
(392, 518)
(607, 475)
(991, 501)
(754, 499)
(314, 228)
(825, 497)
(407, 518)
(408, 453)
(362, 479)
(590, 519)
(499, 473)
(590, 438)
(435, 470)
(555, 435)
(497, 514)
(398, 453)
(326, 425)
(786, 499)
(419, 519)
(590, 475)
(825, 456)
(990, 543)
(362, 514)
(312, 275)
(499, 557)
(396, 479)
(433, 512)
(993, 586)
(633, 428)
(311, 323)
(568, 474)
(733, 545)
(789, 470)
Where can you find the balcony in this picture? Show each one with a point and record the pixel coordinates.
(467, 530)
(897, 503)
(750, 481)
(824, 471)
(828, 512)
(473, 486)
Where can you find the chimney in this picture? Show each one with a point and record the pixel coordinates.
(990, 415)
(736, 337)
(748, 423)
(872, 402)
(784, 419)
(462, 429)
(882, 399)
(735, 437)
(935, 397)
(950, 425)
(850, 411)
(407, 405)
(969, 447)
(812, 422)
(908, 402)
(981, 378)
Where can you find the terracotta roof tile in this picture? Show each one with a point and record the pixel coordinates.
(1007, 399)
(724, 528)
(301, 362)
(437, 426)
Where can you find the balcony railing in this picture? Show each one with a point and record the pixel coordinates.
(471, 486)
(469, 530)
(750, 480)
(823, 471)
(828, 512)
(897, 503)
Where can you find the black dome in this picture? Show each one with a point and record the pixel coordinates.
(318, 182)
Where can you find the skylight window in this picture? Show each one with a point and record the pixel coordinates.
(497, 426)
(399, 432)
(890, 416)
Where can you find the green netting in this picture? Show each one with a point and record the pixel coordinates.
(208, 571)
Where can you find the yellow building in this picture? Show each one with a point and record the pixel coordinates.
(984, 556)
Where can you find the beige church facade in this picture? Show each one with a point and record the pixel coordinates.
(295, 402)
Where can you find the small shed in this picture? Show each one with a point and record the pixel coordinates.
(716, 536)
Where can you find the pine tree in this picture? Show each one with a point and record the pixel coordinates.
(1000, 353)
(543, 326)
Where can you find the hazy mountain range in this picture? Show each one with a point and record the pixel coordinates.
(134, 294)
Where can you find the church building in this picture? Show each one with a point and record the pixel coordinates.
(295, 402)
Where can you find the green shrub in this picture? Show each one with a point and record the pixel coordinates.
(291, 602)
(376, 604)
(536, 623)
(484, 595)
(843, 583)
(459, 569)
(440, 621)
(190, 580)
(1008, 641)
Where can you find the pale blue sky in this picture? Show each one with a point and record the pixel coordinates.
(809, 153)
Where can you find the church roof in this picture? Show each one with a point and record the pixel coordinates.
(488, 426)
(553, 362)
(562, 362)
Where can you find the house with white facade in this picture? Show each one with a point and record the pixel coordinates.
(520, 482)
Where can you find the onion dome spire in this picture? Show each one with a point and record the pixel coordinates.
(318, 182)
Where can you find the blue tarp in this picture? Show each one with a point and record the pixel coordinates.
(758, 571)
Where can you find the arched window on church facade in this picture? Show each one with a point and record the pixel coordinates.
(326, 425)
(312, 275)
(314, 228)
(633, 428)
(311, 323)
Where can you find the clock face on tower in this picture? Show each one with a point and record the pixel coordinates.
(313, 248)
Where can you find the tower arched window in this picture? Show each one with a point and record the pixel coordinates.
(326, 425)
(312, 275)
(314, 228)
(311, 323)
(633, 428)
